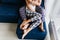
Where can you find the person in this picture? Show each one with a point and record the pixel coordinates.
(32, 18)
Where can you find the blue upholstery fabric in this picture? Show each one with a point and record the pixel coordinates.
(9, 10)
(8, 13)
(34, 34)
(42, 4)
(10, 1)
(0, 1)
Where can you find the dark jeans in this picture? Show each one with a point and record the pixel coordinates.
(34, 34)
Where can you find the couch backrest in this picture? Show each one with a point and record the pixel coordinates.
(20, 2)
(0, 1)
(12, 1)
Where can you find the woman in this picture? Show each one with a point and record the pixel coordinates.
(25, 21)
(33, 17)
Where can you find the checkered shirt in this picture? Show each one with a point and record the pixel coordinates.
(34, 16)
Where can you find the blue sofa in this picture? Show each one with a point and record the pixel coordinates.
(9, 12)
(34, 34)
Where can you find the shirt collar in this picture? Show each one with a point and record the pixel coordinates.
(29, 11)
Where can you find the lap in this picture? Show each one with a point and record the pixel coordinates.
(34, 34)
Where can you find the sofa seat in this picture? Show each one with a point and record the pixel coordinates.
(34, 34)
(8, 13)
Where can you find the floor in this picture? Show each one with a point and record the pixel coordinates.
(57, 19)
(8, 31)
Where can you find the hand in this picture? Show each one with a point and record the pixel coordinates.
(25, 26)
(24, 23)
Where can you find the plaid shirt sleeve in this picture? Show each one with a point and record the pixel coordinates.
(36, 17)
(35, 24)
(41, 10)
(22, 13)
(43, 15)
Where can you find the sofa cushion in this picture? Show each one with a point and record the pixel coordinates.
(8, 13)
(34, 34)
(12, 1)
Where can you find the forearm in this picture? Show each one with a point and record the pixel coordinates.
(25, 21)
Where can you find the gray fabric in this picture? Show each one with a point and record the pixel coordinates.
(22, 13)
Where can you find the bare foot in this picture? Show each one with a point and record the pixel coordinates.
(26, 32)
(41, 27)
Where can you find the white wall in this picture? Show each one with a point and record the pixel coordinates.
(53, 13)
(49, 6)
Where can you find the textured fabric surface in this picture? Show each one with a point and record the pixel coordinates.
(8, 13)
(10, 1)
(9, 10)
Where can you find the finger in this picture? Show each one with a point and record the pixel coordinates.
(23, 23)
(26, 26)
(21, 26)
